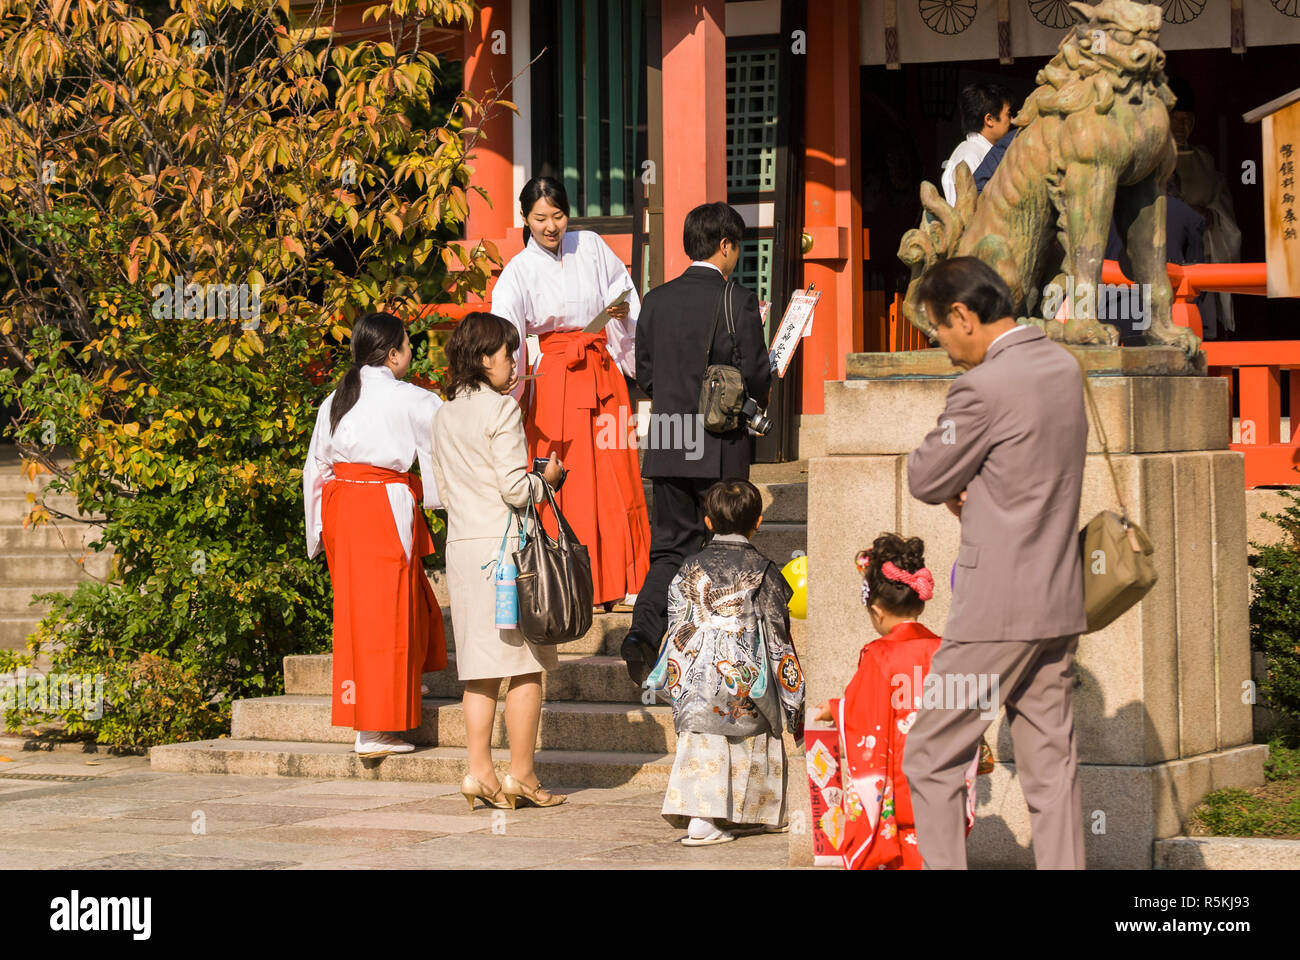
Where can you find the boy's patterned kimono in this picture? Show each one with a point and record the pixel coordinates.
(728, 639)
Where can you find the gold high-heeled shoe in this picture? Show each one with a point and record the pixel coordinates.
(472, 789)
(516, 791)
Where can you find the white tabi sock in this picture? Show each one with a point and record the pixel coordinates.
(699, 828)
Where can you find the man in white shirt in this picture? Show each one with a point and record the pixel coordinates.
(986, 119)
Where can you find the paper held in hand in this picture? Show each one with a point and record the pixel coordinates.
(796, 324)
(598, 322)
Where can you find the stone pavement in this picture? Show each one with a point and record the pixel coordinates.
(119, 814)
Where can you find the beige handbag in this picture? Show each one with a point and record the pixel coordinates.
(1117, 567)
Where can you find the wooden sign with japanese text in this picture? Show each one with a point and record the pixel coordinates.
(797, 319)
(1282, 200)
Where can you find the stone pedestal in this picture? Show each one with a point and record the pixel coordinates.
(1160, 712)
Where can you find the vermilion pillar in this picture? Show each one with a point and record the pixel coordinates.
(832, 208)
(488, 66)
(694, 115)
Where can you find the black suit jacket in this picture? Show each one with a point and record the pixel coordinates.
(671, 354)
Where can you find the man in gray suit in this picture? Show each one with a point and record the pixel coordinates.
(1007, 458)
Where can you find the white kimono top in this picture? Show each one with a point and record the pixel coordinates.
(390, 425)
(542, 293)
(971, 152)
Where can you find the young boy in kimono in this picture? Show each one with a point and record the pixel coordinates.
(731, 672)
(879, 707)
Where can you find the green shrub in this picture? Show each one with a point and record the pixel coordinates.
(1275, 610)
(1272, 810)
(290, 167)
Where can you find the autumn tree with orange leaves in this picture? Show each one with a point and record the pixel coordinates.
(195, 202)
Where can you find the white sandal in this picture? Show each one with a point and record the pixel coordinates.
(378, 744)
(717, 836)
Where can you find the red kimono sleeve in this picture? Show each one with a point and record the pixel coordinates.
(865, 720)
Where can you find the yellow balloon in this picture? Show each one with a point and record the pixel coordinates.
(796, 574)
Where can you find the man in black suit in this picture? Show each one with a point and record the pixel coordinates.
(681, 458)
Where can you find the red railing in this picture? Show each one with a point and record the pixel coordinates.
(1259, 366)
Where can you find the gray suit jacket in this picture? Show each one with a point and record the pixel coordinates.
(1013, 435)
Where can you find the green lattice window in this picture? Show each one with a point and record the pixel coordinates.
(588, 100)
(754, 270)
(751, 120)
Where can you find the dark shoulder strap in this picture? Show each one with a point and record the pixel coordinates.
(731, 326)
(713, 331)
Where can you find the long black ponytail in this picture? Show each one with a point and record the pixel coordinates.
(539, 188)
(372, 337)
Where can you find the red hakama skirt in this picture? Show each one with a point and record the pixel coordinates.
(387, 622)
(581, 395)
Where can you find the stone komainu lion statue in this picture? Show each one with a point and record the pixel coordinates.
(1094, 136)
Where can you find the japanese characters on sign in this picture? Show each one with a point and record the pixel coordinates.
(1282, 200)
(797, 319)
(1287, 171)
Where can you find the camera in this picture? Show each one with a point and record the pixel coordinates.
(755, 417)
(539, 467)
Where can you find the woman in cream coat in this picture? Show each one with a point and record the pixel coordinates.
(481, 465)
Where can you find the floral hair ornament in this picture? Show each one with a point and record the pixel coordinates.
(922, 581)
(862, 561)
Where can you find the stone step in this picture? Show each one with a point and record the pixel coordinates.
(53, 568)
(65, 537)
(13, 482)
(564, 726)
(16, 599)
(779, 542)
(310, 674)
(14, 507)
(14, 631)
(782, 502)
(580, 676)
(1226, 853)
(336, 761)
(598, 678)
(11, 462)
(605, 635)
(793, 471)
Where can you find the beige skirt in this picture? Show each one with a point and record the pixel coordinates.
(733, 780)
(482, 651)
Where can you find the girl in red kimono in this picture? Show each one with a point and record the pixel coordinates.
(879, 707)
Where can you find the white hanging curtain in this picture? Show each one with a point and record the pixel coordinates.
(964, 30)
